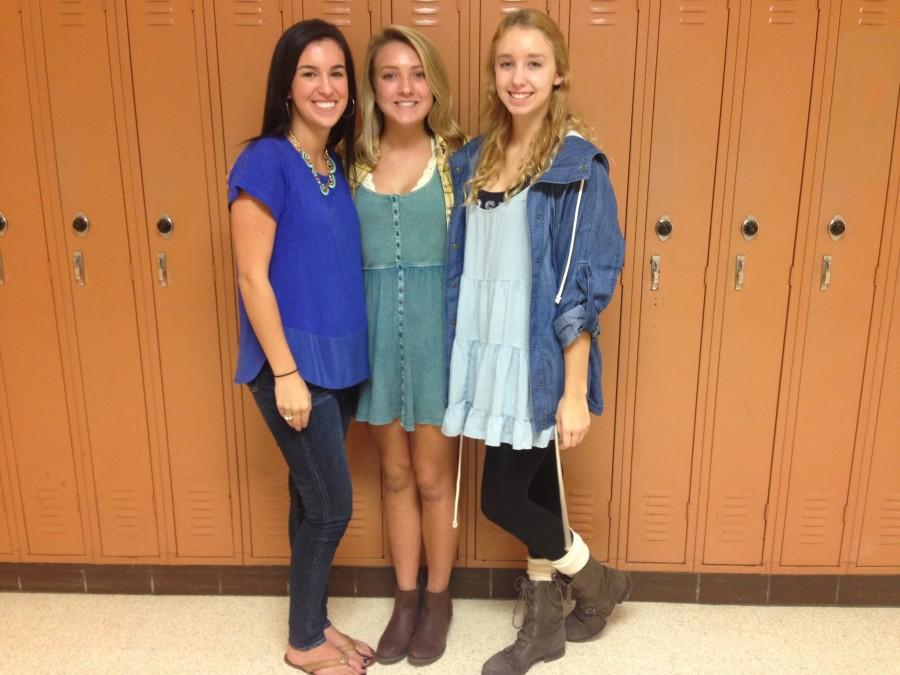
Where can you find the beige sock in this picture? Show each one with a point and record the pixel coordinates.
(540, 569)
(574, 559)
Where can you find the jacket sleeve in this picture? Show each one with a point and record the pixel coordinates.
(597, 257)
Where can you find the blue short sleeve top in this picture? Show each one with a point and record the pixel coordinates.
(315, 269)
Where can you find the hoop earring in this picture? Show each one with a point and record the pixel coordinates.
(352, 112)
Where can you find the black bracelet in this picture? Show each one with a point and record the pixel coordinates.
(286, 374)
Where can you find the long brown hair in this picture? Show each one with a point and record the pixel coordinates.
(498, 121)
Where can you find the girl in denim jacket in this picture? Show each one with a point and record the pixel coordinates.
(534, 251)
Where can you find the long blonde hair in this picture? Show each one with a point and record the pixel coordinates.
(440, 120)
(498, 121)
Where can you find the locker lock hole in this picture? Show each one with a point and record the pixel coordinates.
(165, 226)
(750, 228)
(836, 228)
(81, 224)
(3, 224)
(664, 228)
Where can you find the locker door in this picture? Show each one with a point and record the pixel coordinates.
(879, 543)
(846, 231)
(6, 542)
(602, 36)
(246, 33)
(77, 41)
(167, 69)
(689, 57)
(353, 17)
(774, 95)
(441, 22)
(35, 418)
(491, 542)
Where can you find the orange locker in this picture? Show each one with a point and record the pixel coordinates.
(246, 33)
(845, 233)
(879, 540)
(168, 70)
(357, 20)
(684, 91)
(6, 540)
(777, 47)
(34, 417)
(445, 23)
(81, 79)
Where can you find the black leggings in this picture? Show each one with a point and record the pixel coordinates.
(520, 493)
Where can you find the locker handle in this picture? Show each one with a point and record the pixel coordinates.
(79, 267)
(826, 273)
(739, 273)
(654, 273)
(2, 271)
(162, 269)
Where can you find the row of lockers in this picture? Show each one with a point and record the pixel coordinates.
(750, 360)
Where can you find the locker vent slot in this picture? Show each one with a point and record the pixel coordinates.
(203, 512)
(657, 516)
(813, 520)
(247, 12)
(425, 13)
(50, 509)
(873, 13)
(733, 517)
(606, 12)
(694, 13)
(160, 13)
(72, 12)
(274, 509)
(581, 512)
(359, 523)
(125, 512)
(889, 521)
(783, 12)
(337, 12)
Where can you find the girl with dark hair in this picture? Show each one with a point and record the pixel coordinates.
(303, 335)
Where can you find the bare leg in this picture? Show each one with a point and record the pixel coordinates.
(401, 501)
(434, 461)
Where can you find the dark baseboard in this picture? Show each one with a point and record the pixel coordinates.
(709, 588)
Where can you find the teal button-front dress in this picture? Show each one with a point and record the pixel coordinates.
(404, 247)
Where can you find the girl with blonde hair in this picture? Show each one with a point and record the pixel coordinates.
(534, 254)
(403, 197)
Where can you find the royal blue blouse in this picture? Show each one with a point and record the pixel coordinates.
(315, 269)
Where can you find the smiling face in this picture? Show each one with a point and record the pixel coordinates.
(401, 88)
(525, 72)
(319, 90)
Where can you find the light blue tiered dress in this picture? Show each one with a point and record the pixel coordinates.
(489, 395)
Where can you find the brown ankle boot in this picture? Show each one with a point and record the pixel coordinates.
(430, 637)
(394, 642)
(597, 590)
(542, 636)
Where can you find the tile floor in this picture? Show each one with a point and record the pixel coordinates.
(119, 634)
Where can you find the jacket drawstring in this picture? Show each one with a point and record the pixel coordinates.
(458, 475)
(564, 512)
(571, 245)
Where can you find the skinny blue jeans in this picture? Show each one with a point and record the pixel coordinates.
(320, 494)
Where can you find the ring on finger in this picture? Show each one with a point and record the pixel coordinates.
(288, 418)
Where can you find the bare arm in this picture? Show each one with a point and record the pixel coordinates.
(572, 416)
(253, 234)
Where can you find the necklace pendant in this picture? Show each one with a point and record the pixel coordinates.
(326, 185)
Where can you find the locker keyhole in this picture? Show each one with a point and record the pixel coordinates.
(165, 225)
(3, 224)
(750, 228)
(836, 228)
(81, 224)
(664, 228)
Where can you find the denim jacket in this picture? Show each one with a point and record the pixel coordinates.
(573, 271)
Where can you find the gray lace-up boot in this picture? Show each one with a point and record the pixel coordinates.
(542, 636)
(597, 590)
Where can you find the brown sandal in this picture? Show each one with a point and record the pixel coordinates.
(319, 665)
(356, 647)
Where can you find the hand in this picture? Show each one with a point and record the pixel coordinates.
(572, 421)
(293, 400)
